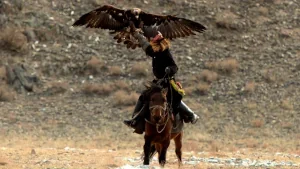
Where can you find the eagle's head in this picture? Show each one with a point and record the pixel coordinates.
(136, 12)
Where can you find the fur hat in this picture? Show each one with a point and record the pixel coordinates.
(159, 43)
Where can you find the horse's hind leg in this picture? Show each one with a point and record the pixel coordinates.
(178, 147)
(158, 148)
(152, 151)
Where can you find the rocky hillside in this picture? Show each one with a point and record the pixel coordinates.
(242, 75)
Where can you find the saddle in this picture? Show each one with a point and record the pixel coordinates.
(176, 85)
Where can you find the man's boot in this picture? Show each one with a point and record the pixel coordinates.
(187, 114)
(137, 121)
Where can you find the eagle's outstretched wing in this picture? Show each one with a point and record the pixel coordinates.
(170, 26)
(104, 17)
(115, 19)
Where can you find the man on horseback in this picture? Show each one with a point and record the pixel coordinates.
(164, 68)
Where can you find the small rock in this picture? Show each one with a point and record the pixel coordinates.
(2, 162)
(29, 33)
(189, 58)
(213, 160)
(33, 152)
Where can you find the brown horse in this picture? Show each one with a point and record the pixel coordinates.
(158, 127)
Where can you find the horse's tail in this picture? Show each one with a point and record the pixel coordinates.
(152, 151)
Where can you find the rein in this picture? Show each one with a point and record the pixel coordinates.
(171, 93)
(159, 81)
(163, 108)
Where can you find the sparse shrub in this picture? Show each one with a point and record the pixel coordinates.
(122, 97)
(3, 77)
(13, 40)
(227, 20)
(251, 106)
(269, 76)
(265, 145)
(263, 10)
(122, 84)
(98, 89)
(215, 146)
(57, 88)
(192, 78)
(94, 66)
(3, 20)
(115, 71)
(228, 66)
(140, 69)
(46, 34)
(286, 104)
(6, 94)
(202, 88)
(249, 87)
(260, 20)
(189, 90)
(251, 132)
(11, 6)
(212, 65)
(208, 76)
(257, 123)
(251, 143)
(287, 125)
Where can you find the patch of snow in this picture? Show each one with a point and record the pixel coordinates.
(127, 166)
(219, 162)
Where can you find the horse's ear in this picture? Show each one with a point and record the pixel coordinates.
(165, 91)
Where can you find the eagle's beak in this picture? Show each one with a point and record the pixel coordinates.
(136, 12)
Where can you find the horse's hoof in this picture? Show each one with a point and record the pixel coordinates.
(162, 163)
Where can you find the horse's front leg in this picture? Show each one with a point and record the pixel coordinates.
(147, 149)
(163, 154)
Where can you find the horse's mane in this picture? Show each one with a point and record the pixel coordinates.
(152, 88)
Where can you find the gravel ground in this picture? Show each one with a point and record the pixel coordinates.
(249, 98)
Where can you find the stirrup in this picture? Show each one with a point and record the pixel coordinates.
(129, 123)
(195, 119)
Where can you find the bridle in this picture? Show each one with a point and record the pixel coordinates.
(165, 115)
(162, 109)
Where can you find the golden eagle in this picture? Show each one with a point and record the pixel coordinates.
(121, 22)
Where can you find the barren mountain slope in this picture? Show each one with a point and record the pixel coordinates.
(241, 76)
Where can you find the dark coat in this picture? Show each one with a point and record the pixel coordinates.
(161, 60)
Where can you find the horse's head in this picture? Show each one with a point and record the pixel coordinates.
(158, 106)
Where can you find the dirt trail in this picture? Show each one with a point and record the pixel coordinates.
(106, 158)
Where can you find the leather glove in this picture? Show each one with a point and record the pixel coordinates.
(139, 30)
(168, 70)
(137, 33)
